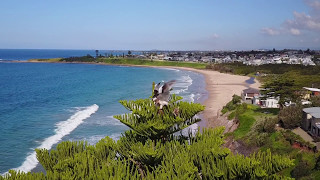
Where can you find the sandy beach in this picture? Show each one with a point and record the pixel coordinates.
(221, 87)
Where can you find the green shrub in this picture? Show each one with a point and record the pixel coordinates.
(292, 138)
(261, 131)
(241, 109)
(231, 115)
(302, 169)
(290, 117)
(317, 165)
(266, 125)
(232, 105)
(315, 101)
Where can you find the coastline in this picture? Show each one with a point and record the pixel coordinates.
(220, 87)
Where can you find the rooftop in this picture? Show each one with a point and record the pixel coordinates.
(312, 89)
(251, 91)
(313, 111)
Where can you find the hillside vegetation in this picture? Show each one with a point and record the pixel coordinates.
(257, 128)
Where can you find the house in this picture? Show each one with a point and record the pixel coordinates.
(167, 58)
(311, 92)
(207, 59)
(247, 95)
(311, 120)
(269, 102)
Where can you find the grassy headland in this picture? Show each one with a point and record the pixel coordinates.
(124, 61)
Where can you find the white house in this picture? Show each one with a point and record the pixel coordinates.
(269, 102)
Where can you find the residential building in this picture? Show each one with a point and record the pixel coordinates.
(247, 95)
(269, 102)
(310, 93)
(311, 120)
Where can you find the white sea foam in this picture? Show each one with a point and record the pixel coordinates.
(63, 128)
(115, 137)
(183, 84)
(94, 139)
(191, 97)
(172, 69)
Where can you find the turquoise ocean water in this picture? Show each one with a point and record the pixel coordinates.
(42, 104)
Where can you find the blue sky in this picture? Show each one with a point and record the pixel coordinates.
(163, 25)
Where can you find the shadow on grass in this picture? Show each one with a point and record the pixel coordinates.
(273, 111)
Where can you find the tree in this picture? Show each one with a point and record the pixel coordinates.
(315, 100)
(150, 151)
(97, 53)
(280, 86)
(129, 53)
(291, 117)
(303, 168)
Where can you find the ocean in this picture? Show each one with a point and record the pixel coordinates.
(42, 104)
(26, 54)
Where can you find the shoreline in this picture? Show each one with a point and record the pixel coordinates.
(220, 87)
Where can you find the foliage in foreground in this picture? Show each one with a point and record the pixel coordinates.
(150, 151)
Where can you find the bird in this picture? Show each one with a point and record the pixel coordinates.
(162, 93)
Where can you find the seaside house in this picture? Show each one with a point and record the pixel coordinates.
(260, 100)
(248, 95)
(310, 92)
(311, 121)
(270, 102)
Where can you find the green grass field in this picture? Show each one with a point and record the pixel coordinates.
(141, 62)
(126, 61)
(252, 114)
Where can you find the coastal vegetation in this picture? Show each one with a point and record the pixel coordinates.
(141, 62)
(150, 150)
(258, 128)
(124, 61)
(300, 75)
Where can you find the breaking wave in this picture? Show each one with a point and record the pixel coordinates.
(63, 128)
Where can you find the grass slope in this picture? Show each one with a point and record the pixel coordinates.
(129, 61)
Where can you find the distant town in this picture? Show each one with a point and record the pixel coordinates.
(254, 57)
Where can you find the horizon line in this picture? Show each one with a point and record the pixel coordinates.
(152, 50)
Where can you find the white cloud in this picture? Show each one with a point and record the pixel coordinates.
(294, 31)
(270, 31)
(301, 21)
(313, 4)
